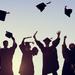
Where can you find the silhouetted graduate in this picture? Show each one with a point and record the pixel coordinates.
(27, 67)
(68, 11)
(6, 55)
(3, 15)
(42, 6)
(50, 58)
(69, 58)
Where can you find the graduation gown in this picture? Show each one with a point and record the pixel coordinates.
(6, 55)
(26, 67)
(50, 58)
(69, 60)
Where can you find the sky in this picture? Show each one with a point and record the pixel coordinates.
(25, 19)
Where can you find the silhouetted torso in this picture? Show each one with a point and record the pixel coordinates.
(50, 62)
(69, 57)
(26, 67)
(73, 56)
(6, 60)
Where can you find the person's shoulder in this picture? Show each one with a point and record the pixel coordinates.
(1, 48)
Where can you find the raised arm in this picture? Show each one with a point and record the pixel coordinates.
(22, 45)
(14, 43)
(34, 36)
(64, 42)
(64, 46)
(57, 40)
(14, 46)
(41, 46)
(65, 50)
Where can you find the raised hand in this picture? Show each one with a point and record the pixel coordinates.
(58, 33)
(65, 37)
(64, 42)
(35, 34)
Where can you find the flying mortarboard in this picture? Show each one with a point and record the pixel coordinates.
(42, 6)
(3, 15)
(68, 11)
(8, 34)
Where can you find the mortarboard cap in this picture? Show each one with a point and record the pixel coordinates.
(68, 11)
(8, 34)
(42, 6)
(47, 40)
(3, 15)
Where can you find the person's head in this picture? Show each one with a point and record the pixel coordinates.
(5, 43)
(27, 44)
(72, 46)
(47, 41)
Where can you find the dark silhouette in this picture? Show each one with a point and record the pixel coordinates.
(6, 55)
(3, 15)
(0, 63)
(27, 67)
(68, 11)
(8, 34)
(42, 6)
(50, 58)
(69, 58)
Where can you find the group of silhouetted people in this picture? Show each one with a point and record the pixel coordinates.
(69, 56)
(50, 56)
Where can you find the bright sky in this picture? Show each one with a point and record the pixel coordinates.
(25, 19)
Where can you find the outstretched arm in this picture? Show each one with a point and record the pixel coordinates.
(21, 46)
(34, 36)
(41, 46)
(64, 42)
(57, 40)
(22, 43)
(14, 43)
(65, 50)
(13, 46)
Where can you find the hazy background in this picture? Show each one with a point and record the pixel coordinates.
(25, 19)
